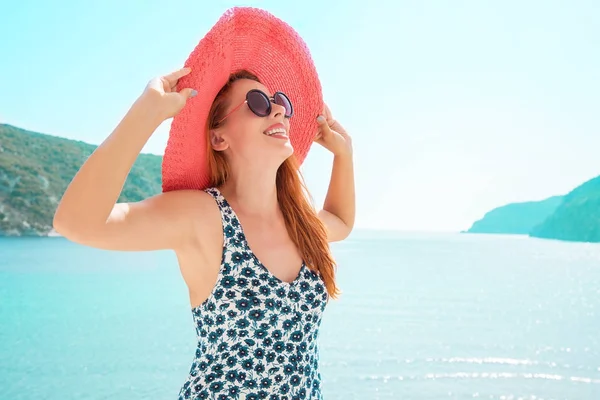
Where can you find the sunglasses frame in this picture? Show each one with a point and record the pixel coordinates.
(269, 100)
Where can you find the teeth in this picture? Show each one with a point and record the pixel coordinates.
(276, 130)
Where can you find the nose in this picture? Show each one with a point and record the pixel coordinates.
(277, 110)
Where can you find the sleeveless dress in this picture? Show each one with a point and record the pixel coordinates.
(257, 335)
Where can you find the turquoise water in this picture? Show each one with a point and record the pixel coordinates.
(440, 316)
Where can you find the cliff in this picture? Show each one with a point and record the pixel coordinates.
(35, 170)
(516, 218)
(577, 218)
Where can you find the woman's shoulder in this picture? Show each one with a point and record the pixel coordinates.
(190, 200)
(197, 207)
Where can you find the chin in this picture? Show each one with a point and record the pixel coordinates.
(283, 148)
(288, 150)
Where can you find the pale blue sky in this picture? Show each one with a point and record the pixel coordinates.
(455, 107)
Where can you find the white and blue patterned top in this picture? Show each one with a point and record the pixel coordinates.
(257, 335)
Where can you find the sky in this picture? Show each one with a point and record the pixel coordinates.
(454, 107)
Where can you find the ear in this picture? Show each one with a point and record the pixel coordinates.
(217, 141)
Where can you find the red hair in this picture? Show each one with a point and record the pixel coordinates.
(303, 225)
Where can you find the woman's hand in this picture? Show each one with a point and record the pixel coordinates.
(161, 92)
(332, 135)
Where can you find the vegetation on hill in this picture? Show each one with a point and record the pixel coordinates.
(577, 218)
(35, 170)
(516, 218)
(572, 217)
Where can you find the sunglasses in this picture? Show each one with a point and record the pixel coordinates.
(260, 104)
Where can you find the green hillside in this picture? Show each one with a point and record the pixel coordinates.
(35, 170)
(516, 218)
(577, 218)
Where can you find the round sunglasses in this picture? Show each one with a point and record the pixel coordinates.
(260, 104)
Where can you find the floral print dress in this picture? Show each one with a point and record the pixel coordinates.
(257, 335)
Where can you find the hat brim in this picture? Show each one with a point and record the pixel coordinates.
(254, 40)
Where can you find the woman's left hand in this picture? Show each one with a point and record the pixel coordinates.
(332, 135)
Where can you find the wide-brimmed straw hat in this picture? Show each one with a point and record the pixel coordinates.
(254, 40)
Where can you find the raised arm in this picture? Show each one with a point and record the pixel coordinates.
(88, 213)
(339, 209)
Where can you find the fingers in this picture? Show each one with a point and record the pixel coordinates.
(174, 76)
(188, 93)
(322, 121)
(327, 113)
(331, 122)
(324, 129)
(325, 123)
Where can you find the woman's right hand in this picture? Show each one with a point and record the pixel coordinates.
(161, 91)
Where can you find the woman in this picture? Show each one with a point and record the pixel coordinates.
(253, 252)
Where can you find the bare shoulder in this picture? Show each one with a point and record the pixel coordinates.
(174, 220)
(190, 219)
(186, 202)
(195, 209)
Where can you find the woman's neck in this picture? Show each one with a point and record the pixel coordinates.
(253, 192)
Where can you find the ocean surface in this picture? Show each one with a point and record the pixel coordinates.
(422, 316)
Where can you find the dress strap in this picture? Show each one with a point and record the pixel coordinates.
(233, 236)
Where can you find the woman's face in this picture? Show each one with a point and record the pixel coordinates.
(248, 138)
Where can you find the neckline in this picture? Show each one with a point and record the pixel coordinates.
(249, 249)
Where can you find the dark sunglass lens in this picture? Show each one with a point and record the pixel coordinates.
(282, 100)
(259, 104)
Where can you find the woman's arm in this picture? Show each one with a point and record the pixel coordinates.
(339, 208)
(338, 211)
(87, 212)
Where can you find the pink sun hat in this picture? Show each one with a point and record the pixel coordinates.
(254, 40)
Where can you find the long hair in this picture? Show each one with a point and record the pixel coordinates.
(303, 225)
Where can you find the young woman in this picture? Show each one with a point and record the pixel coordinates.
(251, 248)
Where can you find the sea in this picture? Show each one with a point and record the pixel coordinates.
(421, 316)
